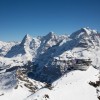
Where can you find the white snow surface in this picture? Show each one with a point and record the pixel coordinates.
(72, 86)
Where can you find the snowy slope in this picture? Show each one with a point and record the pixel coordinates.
(72, 86)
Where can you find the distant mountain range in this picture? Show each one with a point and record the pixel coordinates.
(39, 68)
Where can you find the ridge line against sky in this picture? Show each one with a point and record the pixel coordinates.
(39, 17)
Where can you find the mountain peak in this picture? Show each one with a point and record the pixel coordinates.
(89, 30)
(27, 38)
(51, 34)
(83, 32)
(86, 28)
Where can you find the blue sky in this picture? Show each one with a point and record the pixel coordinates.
(38, 17)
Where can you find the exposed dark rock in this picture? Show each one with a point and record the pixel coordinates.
(95, 84)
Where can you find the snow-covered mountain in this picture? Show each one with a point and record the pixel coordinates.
(51, 67)
(5, 47)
